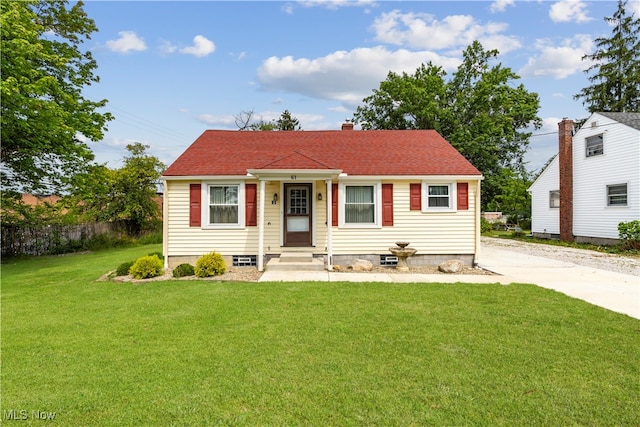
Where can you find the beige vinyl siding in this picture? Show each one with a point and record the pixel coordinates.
(184, 240)
(428, 232)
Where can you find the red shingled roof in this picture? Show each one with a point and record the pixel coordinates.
(359, 152)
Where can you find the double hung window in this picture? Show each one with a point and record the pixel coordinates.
(617, 195)
(594, 145)
(554, 199)
(359, 205)
(439, 197)
(224, 205)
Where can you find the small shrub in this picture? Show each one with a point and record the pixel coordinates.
(525, 224)
(517, 232)
(183, 270)
(158, 254)
(630, 234)
(211, 264)
(123, 269)
(146, 267)
(485, 226)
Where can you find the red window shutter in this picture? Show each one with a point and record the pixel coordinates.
(415, 197)
(463, 196)
(387, 204)
(251, 204)
(195, 211)
(334, 204)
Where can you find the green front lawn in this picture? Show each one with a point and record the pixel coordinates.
(206, 353)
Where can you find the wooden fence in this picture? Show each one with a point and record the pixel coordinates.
(49, 239)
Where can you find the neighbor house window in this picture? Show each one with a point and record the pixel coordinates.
(224, 205)
(617, 195)
(439, 197)
(554, 199)
(594, 145)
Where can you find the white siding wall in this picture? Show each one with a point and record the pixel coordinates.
(545, 219)
(619, 164)
(429, 233)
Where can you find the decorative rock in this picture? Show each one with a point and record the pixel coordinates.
(452, 266)
(361, 265)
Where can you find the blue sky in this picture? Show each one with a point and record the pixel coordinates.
(171, 70)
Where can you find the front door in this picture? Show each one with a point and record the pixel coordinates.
(297, 214)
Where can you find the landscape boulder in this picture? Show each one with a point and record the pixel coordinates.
(451, 266)
(361, 265)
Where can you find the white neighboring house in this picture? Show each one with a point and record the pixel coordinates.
(593, 183)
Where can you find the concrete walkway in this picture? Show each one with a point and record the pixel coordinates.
(614, 291)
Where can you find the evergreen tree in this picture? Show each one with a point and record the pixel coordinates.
(287, 122)
(615, 84)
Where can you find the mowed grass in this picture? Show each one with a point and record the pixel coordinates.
(194, 353)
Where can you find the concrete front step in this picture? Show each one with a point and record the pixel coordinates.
(296, 257)
(277, 264)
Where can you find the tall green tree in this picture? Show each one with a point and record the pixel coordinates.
(480, 111)
(126, 195)
(44, 117)
(615, 73)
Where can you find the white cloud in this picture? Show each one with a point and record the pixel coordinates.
(128, 41)
(569, 11)
(201, 47)
(501, 5)
(344, 76)
(423, 31)
(559, 61)
(166, 47)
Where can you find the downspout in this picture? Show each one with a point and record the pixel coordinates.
(329, 226)
(165, 223)
(261, 228)
(477, 221)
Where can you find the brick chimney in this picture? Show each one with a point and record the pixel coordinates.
(347, 126)
(565, 158)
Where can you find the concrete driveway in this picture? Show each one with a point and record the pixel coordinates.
(619, 292)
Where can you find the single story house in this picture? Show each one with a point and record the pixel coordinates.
(593, 183)
(337, 195)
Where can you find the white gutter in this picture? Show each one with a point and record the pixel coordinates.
(329, 226)
(261, 228)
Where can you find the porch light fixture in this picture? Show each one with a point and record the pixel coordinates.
(275, 199)
(320, 196)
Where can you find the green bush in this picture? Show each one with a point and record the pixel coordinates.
(183, 270)
(146, 267)
(211, 264)
(630, 234)
(525, 224)
(485, 226)
(123, 269)
(158, 254)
